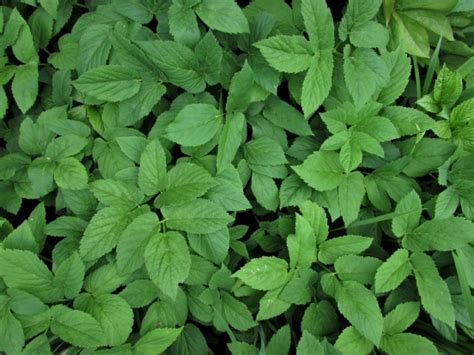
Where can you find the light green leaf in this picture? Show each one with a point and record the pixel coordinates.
(433, 290)
(302, 244)
(351, 192)
(12, 338)
(237, 313)
(401, 317)
(185, 182)
(393, 271)
(194, 125)
(440, 234)
(293, 191)
(369, 35)
(116, 193)
(183, 25)
(222, 15)
(264, 151)
(400, 344)
(102, 233)
(318, 23)
(280, 342)
(400, 70)
(321, 171)
(24, 270)
(112, 312)
(408, 213)
(25, 85)
(152, 171)
(198, 216)
(178, 62)
(265, 191)
(288, 54)
(69, 276)
(167, 261)
(350, 341)
(156, 341)
(109, 83)
(230, 139)
(70, 174)
(447, 87)
(333, 248)
(360, 307)
(357, 268)
(76, 327)
(264, 273)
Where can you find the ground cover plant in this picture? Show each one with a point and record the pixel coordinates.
(252, 177)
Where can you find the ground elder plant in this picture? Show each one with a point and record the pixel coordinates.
(218, 177)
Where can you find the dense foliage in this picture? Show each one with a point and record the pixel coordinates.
(261, 177)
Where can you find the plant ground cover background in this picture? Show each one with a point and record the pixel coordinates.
(251, 177)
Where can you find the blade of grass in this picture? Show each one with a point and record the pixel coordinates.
(431, 67)
(417, 78)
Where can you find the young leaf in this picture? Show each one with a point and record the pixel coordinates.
(433, 290)
(393, 271)
(167, 261)
(194, 125)
(360, 307)
(264, 273)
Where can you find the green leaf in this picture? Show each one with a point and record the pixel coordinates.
(350, 341)
(237, 313)
(288, 54)
(70, 174)
(93, 50)
(401, 317)
(265, 191)
(194, 125)
(139, 293)
(293, 191)
(406, 343)
(287, 117)
(12, 338)
(109, 83)
(177, 62)
(167, 261)
(333, 248)
(357, 268)
(230, 139)
(24, 270)
(364, 73)
(400, 69)
(183, 25)
(76, 327)
(408, 213)
(102, 233)
(65, 146)
(351, 192)
(152, 171)
(264, 273)
(433, 290)
(185, 182)
(25, 86)
(222, 15)
(358, 12)
(156, 340)
(393, 271)
(447, 87)
(116, 193)
(320, 319)
(410, 35)
(264, 151)
(39, 345)
(317, 82)
(360, 307)
(321, 171)
(112, 312)
(302, 244)
(440, 234)
(69, 276)
(198, 216)
(318, 23)
(280, 342)
(369, 35)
